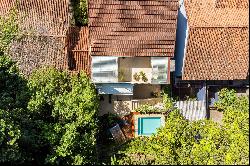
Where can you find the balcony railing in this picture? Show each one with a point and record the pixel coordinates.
(128, 106)
(137, 103)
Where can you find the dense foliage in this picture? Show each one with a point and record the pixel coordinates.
(195, 143)
(227, 98)
(9, 135)
(13, 94)
(13, 89)
(65, 113)
(168, 102)
(80, 9)
(9, 30)
(57, 123)
(164, 107)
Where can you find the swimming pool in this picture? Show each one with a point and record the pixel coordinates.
(148, 125)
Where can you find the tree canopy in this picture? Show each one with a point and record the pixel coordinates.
(65, 111)
(9, 30)
(58, 124)
(195, 143)
(51, 117)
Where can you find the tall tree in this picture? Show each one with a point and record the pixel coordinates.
(64, 110)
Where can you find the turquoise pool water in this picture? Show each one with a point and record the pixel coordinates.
(148, 125)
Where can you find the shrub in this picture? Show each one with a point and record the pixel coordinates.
(136, 77)
(146, 108)
(143, 76)
(167, 102)
(226, 98)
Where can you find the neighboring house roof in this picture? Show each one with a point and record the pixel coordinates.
(55, 42)
(78, 50)
(47, 17)
(132, 28)
(217, 47)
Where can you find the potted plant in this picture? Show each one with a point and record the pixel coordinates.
(136, 77)
(143, 76)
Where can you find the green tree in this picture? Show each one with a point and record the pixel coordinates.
(201, 144)
(64, 110)
(226, 98)
(13, 89)
(236, 127)
(14, 94)
(157, 149)
(51, 118)
(167, 102)
(14, 97)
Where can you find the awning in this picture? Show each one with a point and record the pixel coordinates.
(115, 88)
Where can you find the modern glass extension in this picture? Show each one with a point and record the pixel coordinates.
(135, 70)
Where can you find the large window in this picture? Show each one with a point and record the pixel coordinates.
(104, 69)
(159, 70)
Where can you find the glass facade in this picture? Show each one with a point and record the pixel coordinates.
(159, 70)
(108, 69)
(104, 69)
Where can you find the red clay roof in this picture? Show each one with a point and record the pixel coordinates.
(217, 13)
(217, 47)
(78, 50)
(132, 28)
(50, 18)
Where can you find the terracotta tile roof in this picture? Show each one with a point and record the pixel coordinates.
(50, 19)
(132, 28)
(78, 52)
(73, 56)
(217, 47)
(217, 13)
(37, 51)
(217, 54)
(232, 3)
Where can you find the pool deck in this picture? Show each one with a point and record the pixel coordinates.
(131, 129)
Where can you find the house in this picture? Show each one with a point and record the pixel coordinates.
(131, 46)
(212, 48)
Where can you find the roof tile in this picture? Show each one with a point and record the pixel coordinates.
(132, 28)
(217, 47)
(220, 54)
